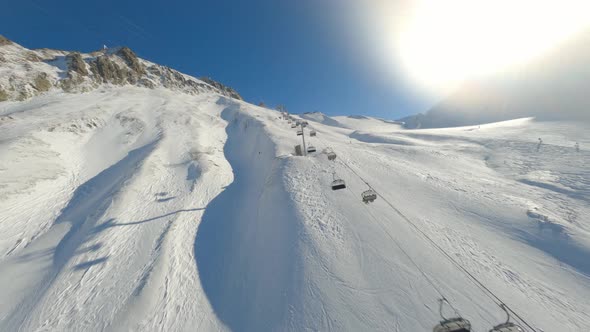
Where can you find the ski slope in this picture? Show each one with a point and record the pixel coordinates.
(130, 209)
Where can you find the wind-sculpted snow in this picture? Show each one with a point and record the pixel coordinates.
(116, 217)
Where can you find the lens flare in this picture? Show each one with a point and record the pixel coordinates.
(439, 44)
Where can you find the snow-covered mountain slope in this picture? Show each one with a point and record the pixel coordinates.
(551, 87)
(366, 123)
(25, 73)
(129, 208)
(355, 122)
(321, 118)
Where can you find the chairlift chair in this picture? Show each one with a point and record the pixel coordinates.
(311, 149)
(369, 196)
(299, 132)
(456, 324)
(506, 326)
(338, 184)
(312, 133)
(293, 126)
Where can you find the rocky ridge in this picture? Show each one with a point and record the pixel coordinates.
(26, 73)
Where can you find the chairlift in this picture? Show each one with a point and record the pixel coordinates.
(330, 153)
(456, 324)
(506, 326)
(311, 149)
(369, 196)
(312, 133)
(299, 132)
(338, 184)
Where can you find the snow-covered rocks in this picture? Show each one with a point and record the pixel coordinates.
(25, 73)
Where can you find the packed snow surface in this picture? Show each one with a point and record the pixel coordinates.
(134, 209)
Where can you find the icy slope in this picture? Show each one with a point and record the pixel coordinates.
(147, 209)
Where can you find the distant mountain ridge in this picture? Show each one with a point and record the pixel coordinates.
(26, 73)
(553, 87)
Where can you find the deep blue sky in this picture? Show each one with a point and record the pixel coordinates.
(281, 52)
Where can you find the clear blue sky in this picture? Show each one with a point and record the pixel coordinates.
(280, 52)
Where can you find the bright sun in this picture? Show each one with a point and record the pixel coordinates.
(442, 42)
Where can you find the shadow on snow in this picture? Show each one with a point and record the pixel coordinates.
(245, 245)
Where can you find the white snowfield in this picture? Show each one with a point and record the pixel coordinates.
(129, 209)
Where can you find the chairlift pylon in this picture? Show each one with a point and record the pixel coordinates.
(456, 324)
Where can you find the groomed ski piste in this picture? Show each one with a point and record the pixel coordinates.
(131, 209)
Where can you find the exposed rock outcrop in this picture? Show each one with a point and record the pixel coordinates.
(76, 64)
(229, 91)
(41, 83)
(27, 73)
(4, 41)
(3, 95)
(132, 61)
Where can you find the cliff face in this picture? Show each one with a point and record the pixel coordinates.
(25, 73)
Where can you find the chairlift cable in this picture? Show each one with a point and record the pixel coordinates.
(490, 294)
(428, 279)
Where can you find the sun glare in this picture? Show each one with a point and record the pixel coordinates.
(441, 43)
